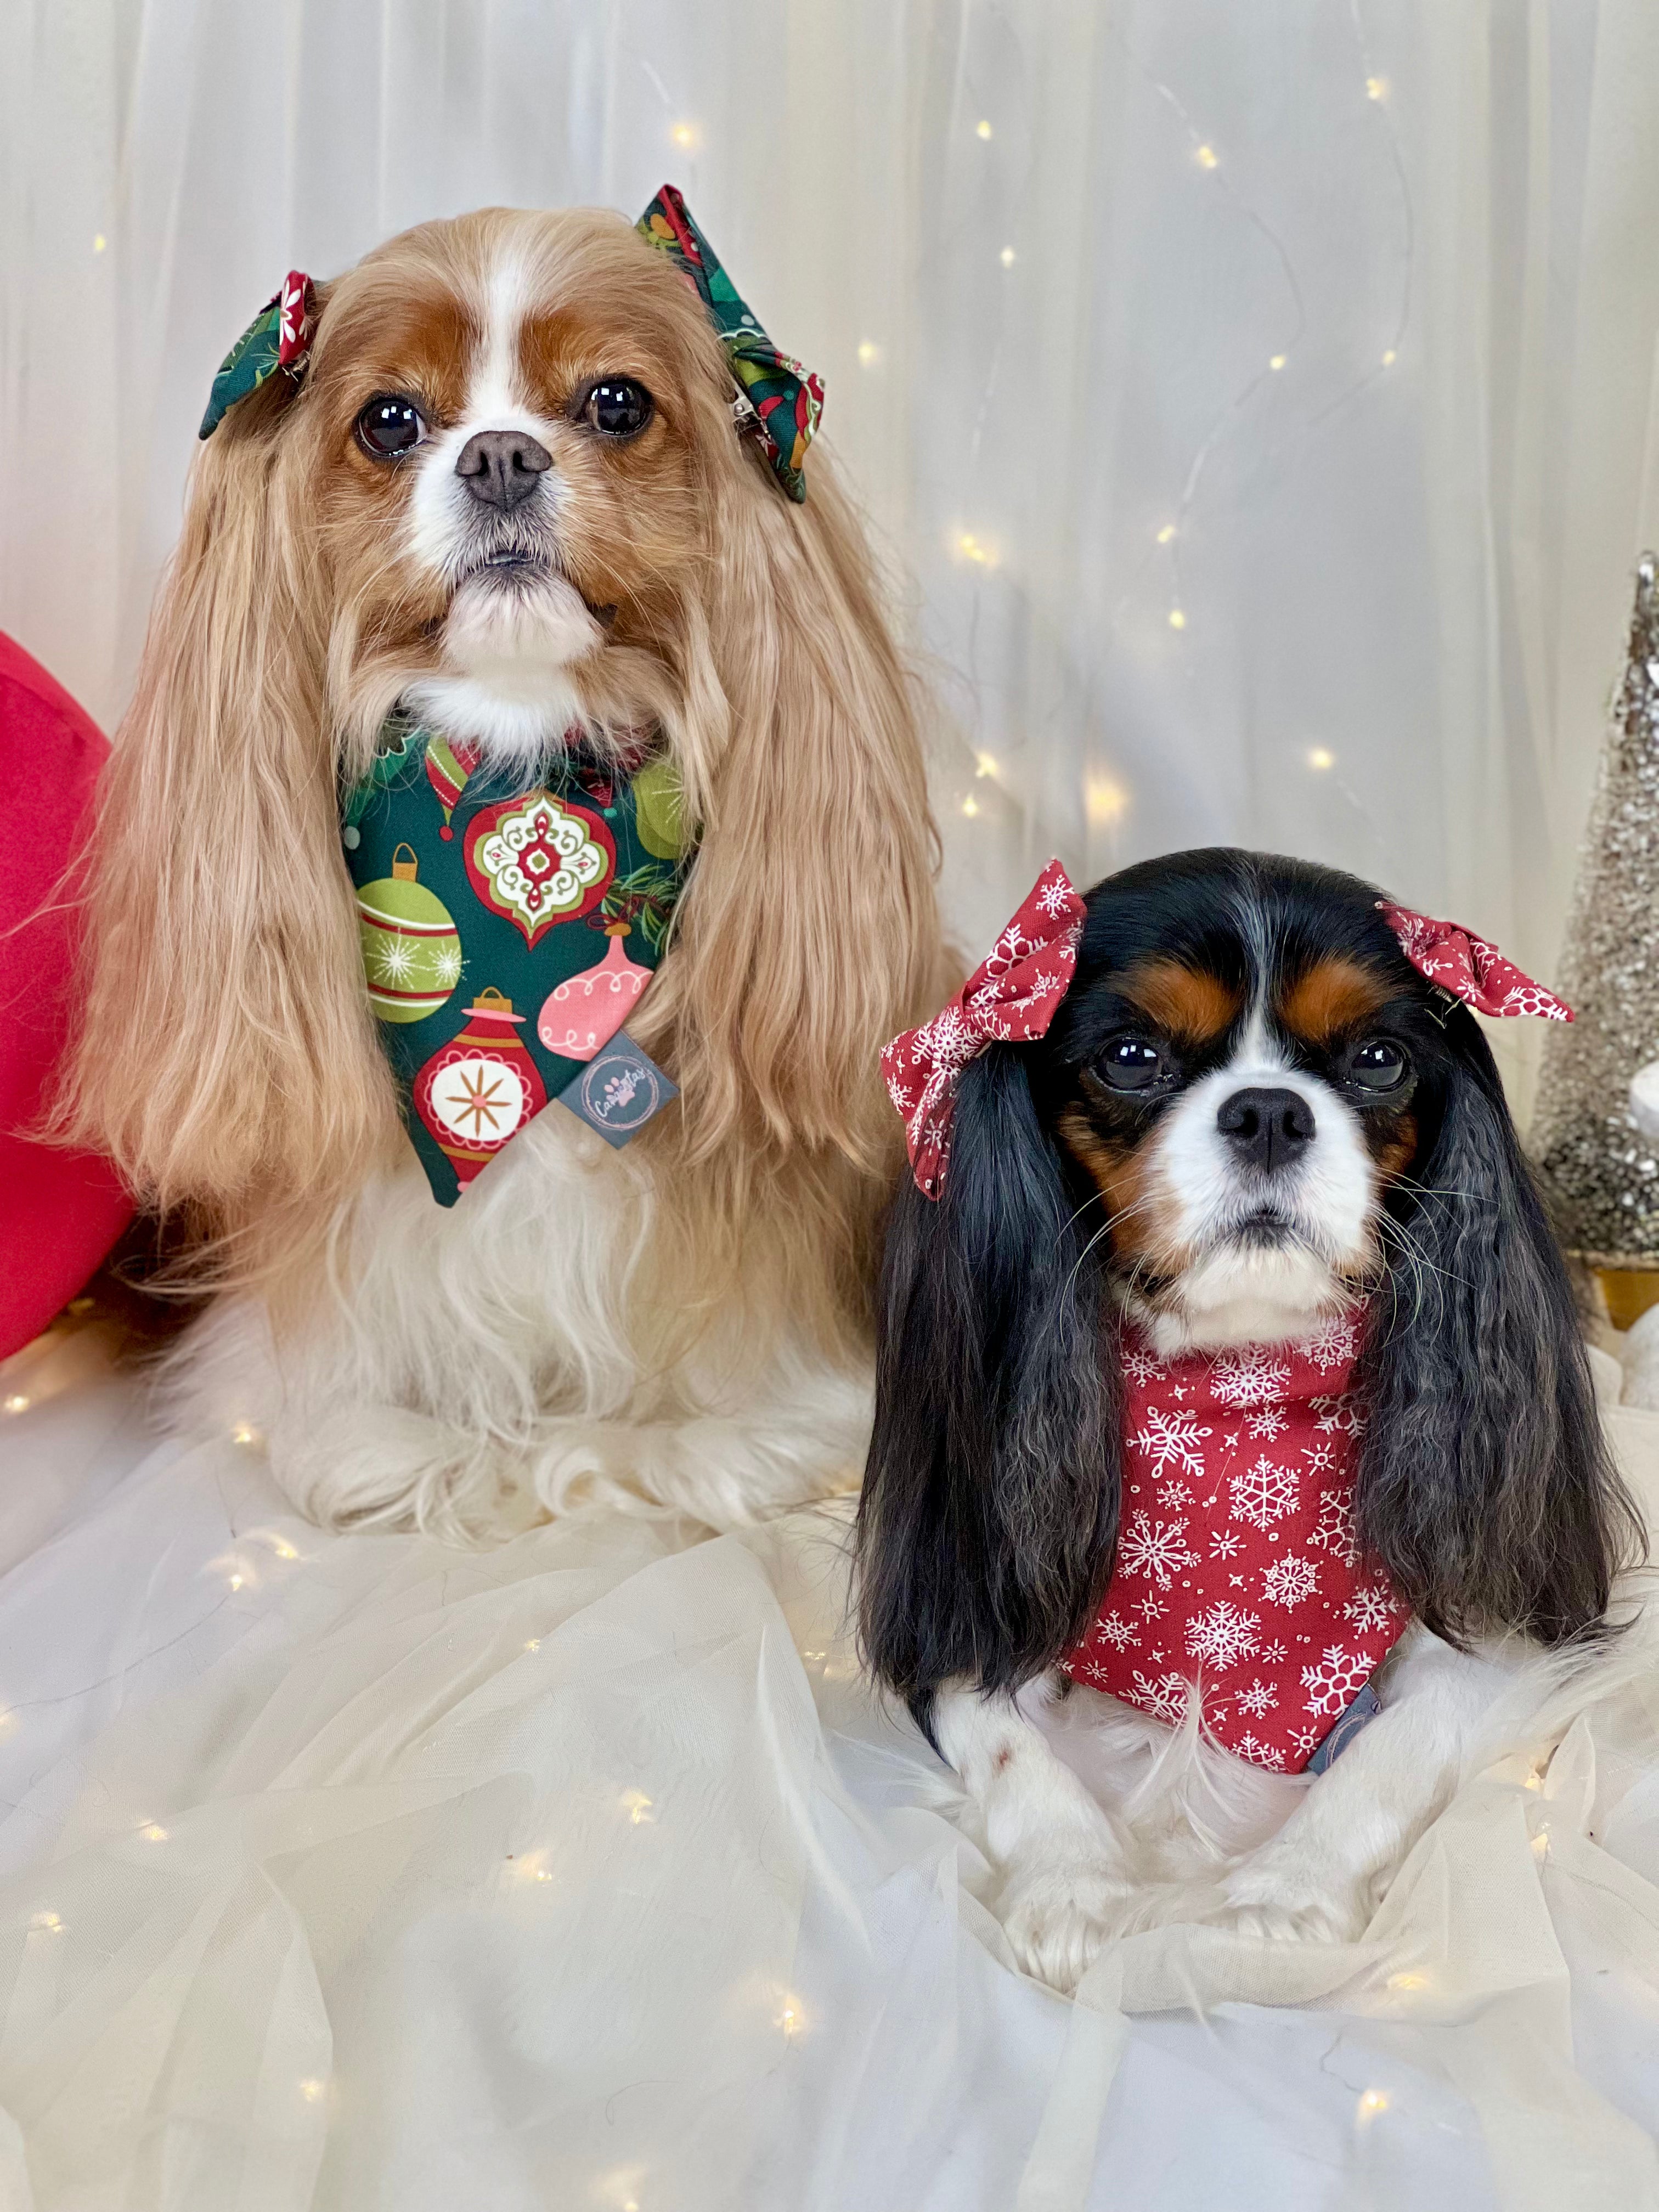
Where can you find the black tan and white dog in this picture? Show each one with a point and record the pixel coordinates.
(1230, 1133)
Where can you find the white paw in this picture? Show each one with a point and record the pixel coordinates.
(1281, 1903)
(1057, 1914)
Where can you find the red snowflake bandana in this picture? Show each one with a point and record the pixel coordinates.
(1011, 995)
(1238, 1579)
(1469, 968)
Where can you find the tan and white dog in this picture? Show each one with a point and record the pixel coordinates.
(510, 493)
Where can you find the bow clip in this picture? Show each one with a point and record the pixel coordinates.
(779, 402)
(1469, 968)
(1012, 996)
(279, 337)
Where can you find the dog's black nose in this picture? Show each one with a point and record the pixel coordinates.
(500, 467)
(1266, 1127)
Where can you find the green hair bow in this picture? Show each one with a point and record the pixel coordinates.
(279, 337)
(781, 402)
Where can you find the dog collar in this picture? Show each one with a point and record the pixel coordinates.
(1238, 1579)
(507, 934)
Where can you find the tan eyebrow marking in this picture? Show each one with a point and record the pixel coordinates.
(1333, 995)
(1187, 1003)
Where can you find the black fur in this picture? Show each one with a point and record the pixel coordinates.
(989, 1518)
(1486, 1485)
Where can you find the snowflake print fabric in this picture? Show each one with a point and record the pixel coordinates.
(1469, 967)
(1011, 995)
(1238, 1579)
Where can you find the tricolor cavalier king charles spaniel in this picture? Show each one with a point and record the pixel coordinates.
(1253, 1129)
(511, 494)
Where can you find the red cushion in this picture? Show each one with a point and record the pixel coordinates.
(59, 1212)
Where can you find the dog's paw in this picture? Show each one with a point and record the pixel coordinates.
(1057, 1914)
(1282, 1902)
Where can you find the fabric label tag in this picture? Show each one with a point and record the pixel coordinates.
(1365, 1709)
(618, 1091)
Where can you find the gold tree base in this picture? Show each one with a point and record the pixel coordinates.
(1626, 1292)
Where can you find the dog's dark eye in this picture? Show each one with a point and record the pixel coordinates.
(1378, 1066)
(1130, 1063)
(618, 407)
(389, 428)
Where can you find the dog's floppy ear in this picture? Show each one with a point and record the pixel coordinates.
(1486, 1485)
(988, 1519)
(227, 1054)
(808, 934)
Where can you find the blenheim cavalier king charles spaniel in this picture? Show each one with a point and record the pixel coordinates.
(515, 495)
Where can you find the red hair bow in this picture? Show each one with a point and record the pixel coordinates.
(1469, 968)
(1011, 996)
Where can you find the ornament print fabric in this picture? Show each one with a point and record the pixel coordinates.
(279, 337)
(784, 400)
(1011, 995)
(1470, 968)
(1237, 1580)
(507, 935)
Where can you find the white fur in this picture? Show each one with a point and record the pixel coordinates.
(1241, 1293)
(430, 1379)
(1065, 1871)
(507, 645)
(1210, 1836)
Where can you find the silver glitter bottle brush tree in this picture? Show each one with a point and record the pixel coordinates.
(1598, 1162)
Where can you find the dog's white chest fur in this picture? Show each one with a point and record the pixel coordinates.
(535, 1347)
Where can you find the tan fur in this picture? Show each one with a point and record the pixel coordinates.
(1186, 1003)
(1332, 997)
(230, 1065)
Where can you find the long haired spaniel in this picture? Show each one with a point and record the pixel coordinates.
(1227, 1364)
(512, 497)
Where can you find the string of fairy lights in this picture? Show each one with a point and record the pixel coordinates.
(1105, 795)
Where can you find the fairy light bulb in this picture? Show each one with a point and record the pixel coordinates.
(1207, 158)
(16, 1403)
(685, 136)
(983, 129)
(1105, 802)
(1007, 256)
(1320, 757)
(1166, 534)
(1376, 88)
(869, 353)
(1177, 618)
(1276, 362)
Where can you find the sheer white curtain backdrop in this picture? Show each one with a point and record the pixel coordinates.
(1258, 402)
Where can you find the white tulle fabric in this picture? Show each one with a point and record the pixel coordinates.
(1328, 328)
(346, 1872)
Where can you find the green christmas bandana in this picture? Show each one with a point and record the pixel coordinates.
(279, 337)
(784, 400)
(507, 936)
